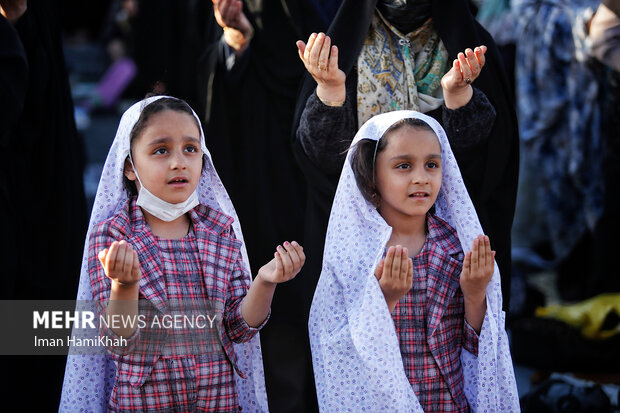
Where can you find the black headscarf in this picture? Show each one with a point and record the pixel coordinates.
(490, 177)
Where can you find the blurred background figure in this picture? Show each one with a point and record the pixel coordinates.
(248, 85)
(42, 196)
(561, 99)
(566, 225)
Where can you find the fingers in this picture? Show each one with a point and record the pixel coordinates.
(474, 256)
(398, 252)
(389, 260)
(102, 254)
(465, 69)
(316, 50)
(135, 270)
(111, 257)
(409, 272)
(473, 63)
(466, 266)
(404, 265)
(127, 263)
(295, 252)
(287, 264)
(481, 255)
(480, 51)
(309, 47)
(324, 54)
(279, 263)
(333, 61)
(301, 48)
(379, 269)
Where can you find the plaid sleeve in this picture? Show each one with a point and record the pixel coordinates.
(237, 329)
(102, 237)
(470, 338)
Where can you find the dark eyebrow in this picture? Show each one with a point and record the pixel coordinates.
(192, 139)
(167, 139)
(407, 157)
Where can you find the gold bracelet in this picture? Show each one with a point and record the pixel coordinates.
(331, 103)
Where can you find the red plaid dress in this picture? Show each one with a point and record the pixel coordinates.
(173, 369)
(430, 322)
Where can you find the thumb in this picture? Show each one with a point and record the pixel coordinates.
(301, 48)
(102, 254)
(379, 269)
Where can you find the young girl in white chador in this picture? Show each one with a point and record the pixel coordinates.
(178, 240)
(402, 319)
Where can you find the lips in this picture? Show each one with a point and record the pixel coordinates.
(178, 180)
(419, 194)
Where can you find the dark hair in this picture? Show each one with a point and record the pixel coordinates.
(158, 106)
(364, 158)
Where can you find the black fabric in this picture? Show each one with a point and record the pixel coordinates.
(13, 86)
(165, 40)
(406, 17)
(247, 115)
(490, 175)
(42, 199)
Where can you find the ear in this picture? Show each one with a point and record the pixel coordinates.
(128, 170)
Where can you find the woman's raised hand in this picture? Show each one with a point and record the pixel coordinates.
(321, 60)
(395, 275)
(288, 260)
(237, 28)
(457, 82)
(120, 263)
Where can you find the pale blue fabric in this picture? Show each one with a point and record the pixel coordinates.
(560, 108)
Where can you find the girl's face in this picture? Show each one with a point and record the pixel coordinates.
(408, 172)
(167, 156)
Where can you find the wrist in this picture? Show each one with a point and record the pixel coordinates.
(262, 280)
(124, 291)
(475, 300)
(457, 99)
(331, 96)
(237, 39)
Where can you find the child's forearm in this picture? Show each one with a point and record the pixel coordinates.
(475, 310)
(123, 303)
(257, 302)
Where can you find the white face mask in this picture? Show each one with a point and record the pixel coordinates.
(158, 207)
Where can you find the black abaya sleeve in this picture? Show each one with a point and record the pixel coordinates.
(13, 77)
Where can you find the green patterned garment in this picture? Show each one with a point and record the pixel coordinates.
(397, 71)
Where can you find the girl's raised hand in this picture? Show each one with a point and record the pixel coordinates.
(285, 265)
(477, 269)
(120, 263)
(321, 60)
(457, 82)
(395, 275)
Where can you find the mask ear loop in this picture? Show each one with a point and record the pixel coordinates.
(134, 169)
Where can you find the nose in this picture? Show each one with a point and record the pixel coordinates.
(419, 175)
(177, 160)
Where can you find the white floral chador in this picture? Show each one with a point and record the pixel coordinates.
(355, 350)
(89, 378)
